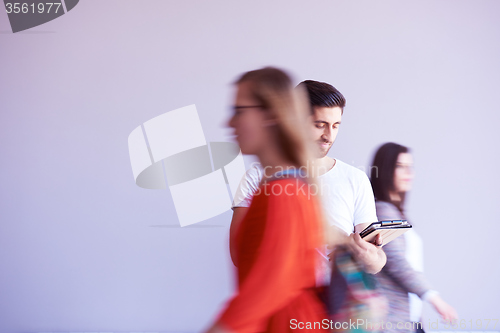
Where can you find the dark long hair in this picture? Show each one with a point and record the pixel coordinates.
(382, 172)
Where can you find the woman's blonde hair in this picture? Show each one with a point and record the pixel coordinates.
(290, 107)
(286, 104)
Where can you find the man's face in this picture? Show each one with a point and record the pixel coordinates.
(326, 122)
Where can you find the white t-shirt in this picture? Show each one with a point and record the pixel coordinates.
(347, 196)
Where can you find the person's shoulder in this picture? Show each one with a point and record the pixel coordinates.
(387, 209)
(384, 204)
(254, 173)
(350, 171)
(248, 186)
(255, 168)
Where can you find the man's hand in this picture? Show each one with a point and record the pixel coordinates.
(369, 255)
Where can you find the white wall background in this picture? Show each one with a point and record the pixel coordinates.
(82, 248)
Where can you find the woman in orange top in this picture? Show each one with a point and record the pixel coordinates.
(277, 240)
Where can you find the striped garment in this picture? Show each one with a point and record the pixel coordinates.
(354, 297)
(398, 278)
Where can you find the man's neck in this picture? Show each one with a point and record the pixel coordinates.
(322, 165)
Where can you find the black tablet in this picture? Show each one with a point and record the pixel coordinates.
(388, 229)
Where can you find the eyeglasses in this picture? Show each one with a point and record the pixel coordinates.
(237, 109)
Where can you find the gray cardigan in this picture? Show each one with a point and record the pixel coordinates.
(398, 278)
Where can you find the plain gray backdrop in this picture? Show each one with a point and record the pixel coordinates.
(82, 248)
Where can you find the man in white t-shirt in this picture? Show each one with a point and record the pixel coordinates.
(346, 194)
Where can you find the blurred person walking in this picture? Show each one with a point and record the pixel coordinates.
(348, 205)
(277, 239)
(401, 280)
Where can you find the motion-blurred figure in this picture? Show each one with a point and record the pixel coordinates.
(349, 206)
(347, 197)
(276, 241)
(401, 279)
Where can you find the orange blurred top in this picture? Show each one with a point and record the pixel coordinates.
(276, 253)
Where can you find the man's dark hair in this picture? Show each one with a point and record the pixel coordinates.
(323, 94)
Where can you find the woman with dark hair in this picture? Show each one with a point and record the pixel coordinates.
(401, 280)
(276, 242)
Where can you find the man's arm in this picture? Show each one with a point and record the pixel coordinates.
(249, 184)
(238, 215)
(371, 256)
